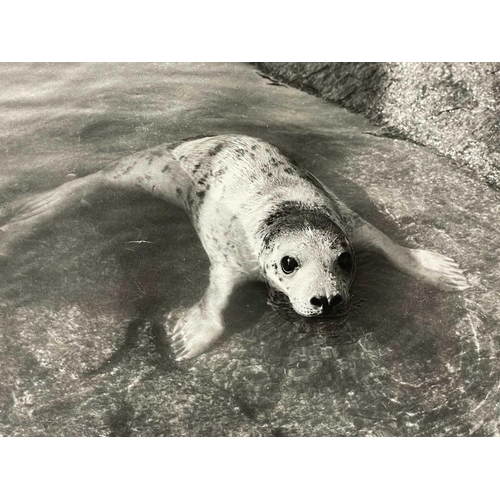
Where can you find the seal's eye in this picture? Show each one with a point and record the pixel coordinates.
(289, 264)
(345, 261)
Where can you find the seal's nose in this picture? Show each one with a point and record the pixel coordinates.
(327, 304)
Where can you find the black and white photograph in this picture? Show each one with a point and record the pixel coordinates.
(266, 249)
(195, 246)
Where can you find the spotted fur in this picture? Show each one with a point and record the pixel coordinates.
(251, 206)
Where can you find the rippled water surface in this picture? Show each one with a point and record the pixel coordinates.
(83, 346)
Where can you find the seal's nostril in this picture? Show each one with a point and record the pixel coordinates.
(335, 300)
(327, 304)
(316, 301)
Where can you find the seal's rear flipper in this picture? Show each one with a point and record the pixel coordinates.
(24, 217)
(154, 171)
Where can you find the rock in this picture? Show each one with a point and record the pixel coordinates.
(452, 107)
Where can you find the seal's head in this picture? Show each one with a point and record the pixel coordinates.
(307, 257)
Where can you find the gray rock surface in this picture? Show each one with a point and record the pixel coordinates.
(452, 107)
(82, 348)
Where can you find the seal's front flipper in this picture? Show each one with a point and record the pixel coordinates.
(436, 269)
(192, 331)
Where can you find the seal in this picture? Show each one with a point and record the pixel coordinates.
(259, 216)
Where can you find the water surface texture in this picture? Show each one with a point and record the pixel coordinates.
(83, 350)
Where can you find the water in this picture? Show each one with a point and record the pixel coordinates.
(82, 300)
